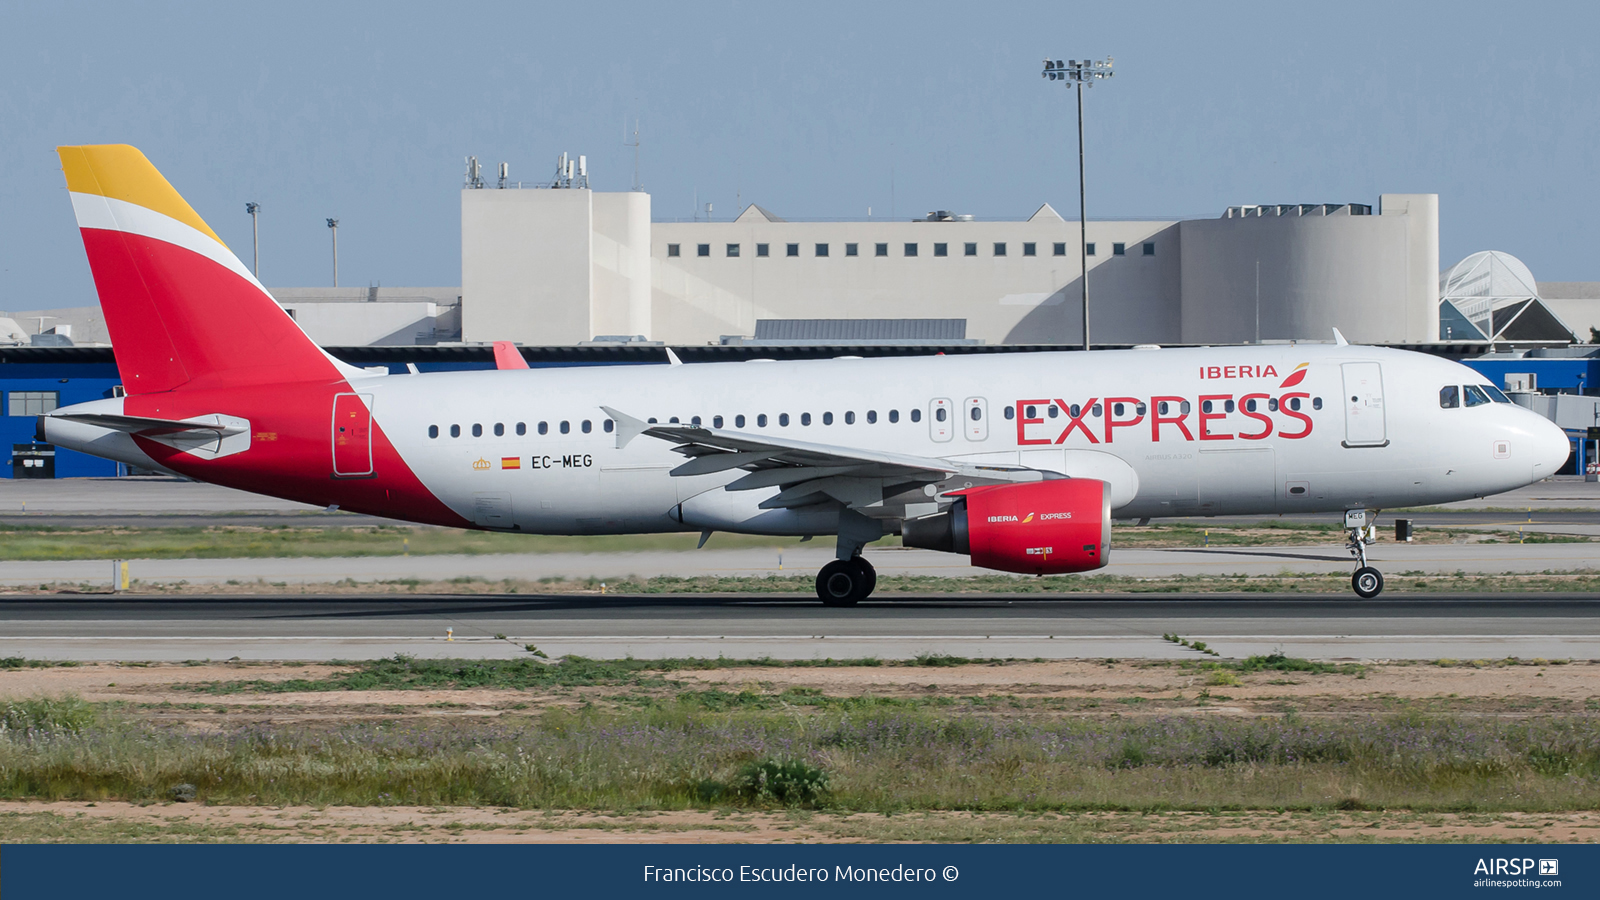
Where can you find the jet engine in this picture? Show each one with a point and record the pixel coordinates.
(1038, 528)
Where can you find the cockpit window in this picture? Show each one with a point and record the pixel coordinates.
(1475, 395)
(1449, 397)
(1495, 394)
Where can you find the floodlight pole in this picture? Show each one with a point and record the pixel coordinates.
(255, 236)
(1082, 73)
(333, 226)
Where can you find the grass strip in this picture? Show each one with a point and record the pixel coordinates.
(682, 756)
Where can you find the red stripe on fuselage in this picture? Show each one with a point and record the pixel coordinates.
(291, 451)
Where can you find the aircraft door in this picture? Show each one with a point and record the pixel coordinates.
(352, 436)
(1363, 405)
(940, 426)
(976, 419)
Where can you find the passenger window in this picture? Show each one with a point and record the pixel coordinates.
(1227, 406)
(827, 418)
(939, 415)
(783, 419)
(1075, 410)
(433, 431)
(849, 417)
(1272, 404)
(1139, 409)
(1294, 403)
(1250, 405)
(1117, 408)
(499, 429)
(1183, 407)
(977, 413)
(609, 425)
(916, 415)
(477, 430)
(1010, 413)
(566, 427)
(716, 421)
(872, 417)
(522, 428)
(894, 416)
(805, 418)
(544, 427)
(455, 431)
(761, 420)
(1095, 410)
(738, 421)
(1449, 397)
(1205, 406)
(1053, 410)
(1316, 402)
(587, 426)
(674, 421)
(695, 421)
(1475, 395)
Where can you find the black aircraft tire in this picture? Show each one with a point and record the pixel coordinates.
(840, 583)
(871, 577)
(1367, 582)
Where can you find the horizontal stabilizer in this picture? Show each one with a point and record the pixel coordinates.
(149, 427)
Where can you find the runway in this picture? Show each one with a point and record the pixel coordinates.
(1551, 626)
(806, 559)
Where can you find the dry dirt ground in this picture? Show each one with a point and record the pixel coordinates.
(165, 693)
(54, 821)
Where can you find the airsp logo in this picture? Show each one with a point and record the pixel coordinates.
(1501, 866)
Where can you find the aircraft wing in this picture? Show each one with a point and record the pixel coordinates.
(806, 472)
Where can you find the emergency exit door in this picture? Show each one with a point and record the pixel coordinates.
(352, 435)
(1363, 405)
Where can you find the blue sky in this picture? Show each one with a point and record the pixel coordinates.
(365, 112)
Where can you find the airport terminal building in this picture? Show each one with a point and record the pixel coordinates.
(560, 266)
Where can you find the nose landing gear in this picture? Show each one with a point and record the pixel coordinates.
(1367, 581)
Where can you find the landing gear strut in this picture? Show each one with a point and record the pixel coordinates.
(850, 579)
(1367, 581)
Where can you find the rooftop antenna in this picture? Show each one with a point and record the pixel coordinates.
(583, 171)
(505, 172)
(474, 173)
(635, 145)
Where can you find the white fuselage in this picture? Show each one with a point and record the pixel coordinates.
(1383, 444)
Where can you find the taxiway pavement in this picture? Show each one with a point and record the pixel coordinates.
(1472, 626)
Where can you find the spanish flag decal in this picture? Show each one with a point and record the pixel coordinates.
(510, 462)
(1295, 377)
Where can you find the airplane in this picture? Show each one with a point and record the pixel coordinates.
(1019, 461)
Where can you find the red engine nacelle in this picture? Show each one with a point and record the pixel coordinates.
(1039, 528)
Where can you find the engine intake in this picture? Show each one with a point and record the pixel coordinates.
(1040, 528)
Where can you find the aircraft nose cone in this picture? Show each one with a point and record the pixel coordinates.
(1552, 449)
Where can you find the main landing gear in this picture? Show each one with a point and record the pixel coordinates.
(849, 579)
(846, 582)
(1367, 581)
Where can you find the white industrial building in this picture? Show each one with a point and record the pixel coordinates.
(564, 265)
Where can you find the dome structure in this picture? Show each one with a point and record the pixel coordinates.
(1492, 296)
